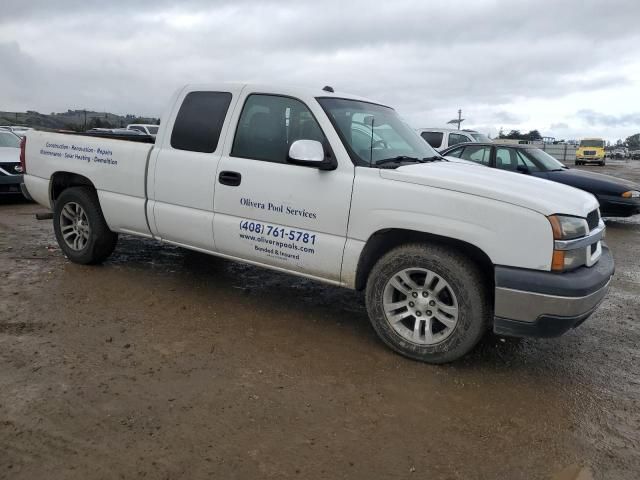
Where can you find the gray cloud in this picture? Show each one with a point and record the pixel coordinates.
(421, 57)
(559, 126)
(507, 118)
(597, 118)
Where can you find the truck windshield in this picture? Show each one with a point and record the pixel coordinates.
(592, 143)
(480, 137)
(373, 133)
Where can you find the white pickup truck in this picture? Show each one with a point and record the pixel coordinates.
(339, 189)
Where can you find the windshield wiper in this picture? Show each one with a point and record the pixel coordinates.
(396, 161)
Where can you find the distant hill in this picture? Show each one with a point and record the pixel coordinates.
(72, 119)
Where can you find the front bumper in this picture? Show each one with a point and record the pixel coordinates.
(611, 206)
(590, 159)
(532, 303)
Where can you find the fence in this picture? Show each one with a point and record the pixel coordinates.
(562, 152)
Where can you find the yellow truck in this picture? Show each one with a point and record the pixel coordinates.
(591, 150)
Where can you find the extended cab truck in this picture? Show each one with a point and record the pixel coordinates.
(283, 178)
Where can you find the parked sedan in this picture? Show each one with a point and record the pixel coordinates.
(617, 197)
(10, 169)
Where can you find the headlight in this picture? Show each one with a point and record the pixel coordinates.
(568, 228)
(631, 194)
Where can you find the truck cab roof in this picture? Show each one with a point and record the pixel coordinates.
(285, 90)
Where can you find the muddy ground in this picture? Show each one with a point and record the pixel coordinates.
(168, 364)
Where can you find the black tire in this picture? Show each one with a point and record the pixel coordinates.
(466, 280)
(577, 163)
(101, 241)
(602, 163)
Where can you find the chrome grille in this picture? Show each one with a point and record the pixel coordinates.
(9, 168)
(589, 152)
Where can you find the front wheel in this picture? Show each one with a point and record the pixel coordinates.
(80, 227)
(428, 302)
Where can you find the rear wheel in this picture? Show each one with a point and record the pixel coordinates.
(80, 227)
(428, 302)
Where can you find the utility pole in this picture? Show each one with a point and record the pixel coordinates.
(457, 121)
(85, 120)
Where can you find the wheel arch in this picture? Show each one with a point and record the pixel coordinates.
(60, 181)
(383, 241)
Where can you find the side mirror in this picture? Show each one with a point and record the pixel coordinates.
(310, 153)
(522, 169)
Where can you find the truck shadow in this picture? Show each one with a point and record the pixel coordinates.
(623, 224)
(13, 199)
(334, 308)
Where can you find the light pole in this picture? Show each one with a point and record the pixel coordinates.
(457, 121)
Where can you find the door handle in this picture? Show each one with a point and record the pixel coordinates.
(232, 179)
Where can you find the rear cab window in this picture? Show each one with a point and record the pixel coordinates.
(433, 138)
(199, 121)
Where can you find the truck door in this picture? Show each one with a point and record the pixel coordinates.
(273, 212)
(182, 179)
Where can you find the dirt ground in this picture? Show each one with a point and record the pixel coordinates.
(164, 363)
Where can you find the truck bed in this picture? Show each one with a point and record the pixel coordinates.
(116, 168)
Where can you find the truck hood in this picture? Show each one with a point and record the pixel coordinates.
(529, 192)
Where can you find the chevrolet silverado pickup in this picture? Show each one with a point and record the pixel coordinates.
(339, 189)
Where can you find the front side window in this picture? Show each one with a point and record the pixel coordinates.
(199, 122)
(544, 160)
(514, 160)
(477, 154)
(504, 159)
(9, 140)
(524, 162)
(456, 152)
(153, 130)
(433, 138)
(269, 124)
(372, 132)
(139, 129)
(455, 138)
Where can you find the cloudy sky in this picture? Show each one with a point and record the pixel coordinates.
(569, 68)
